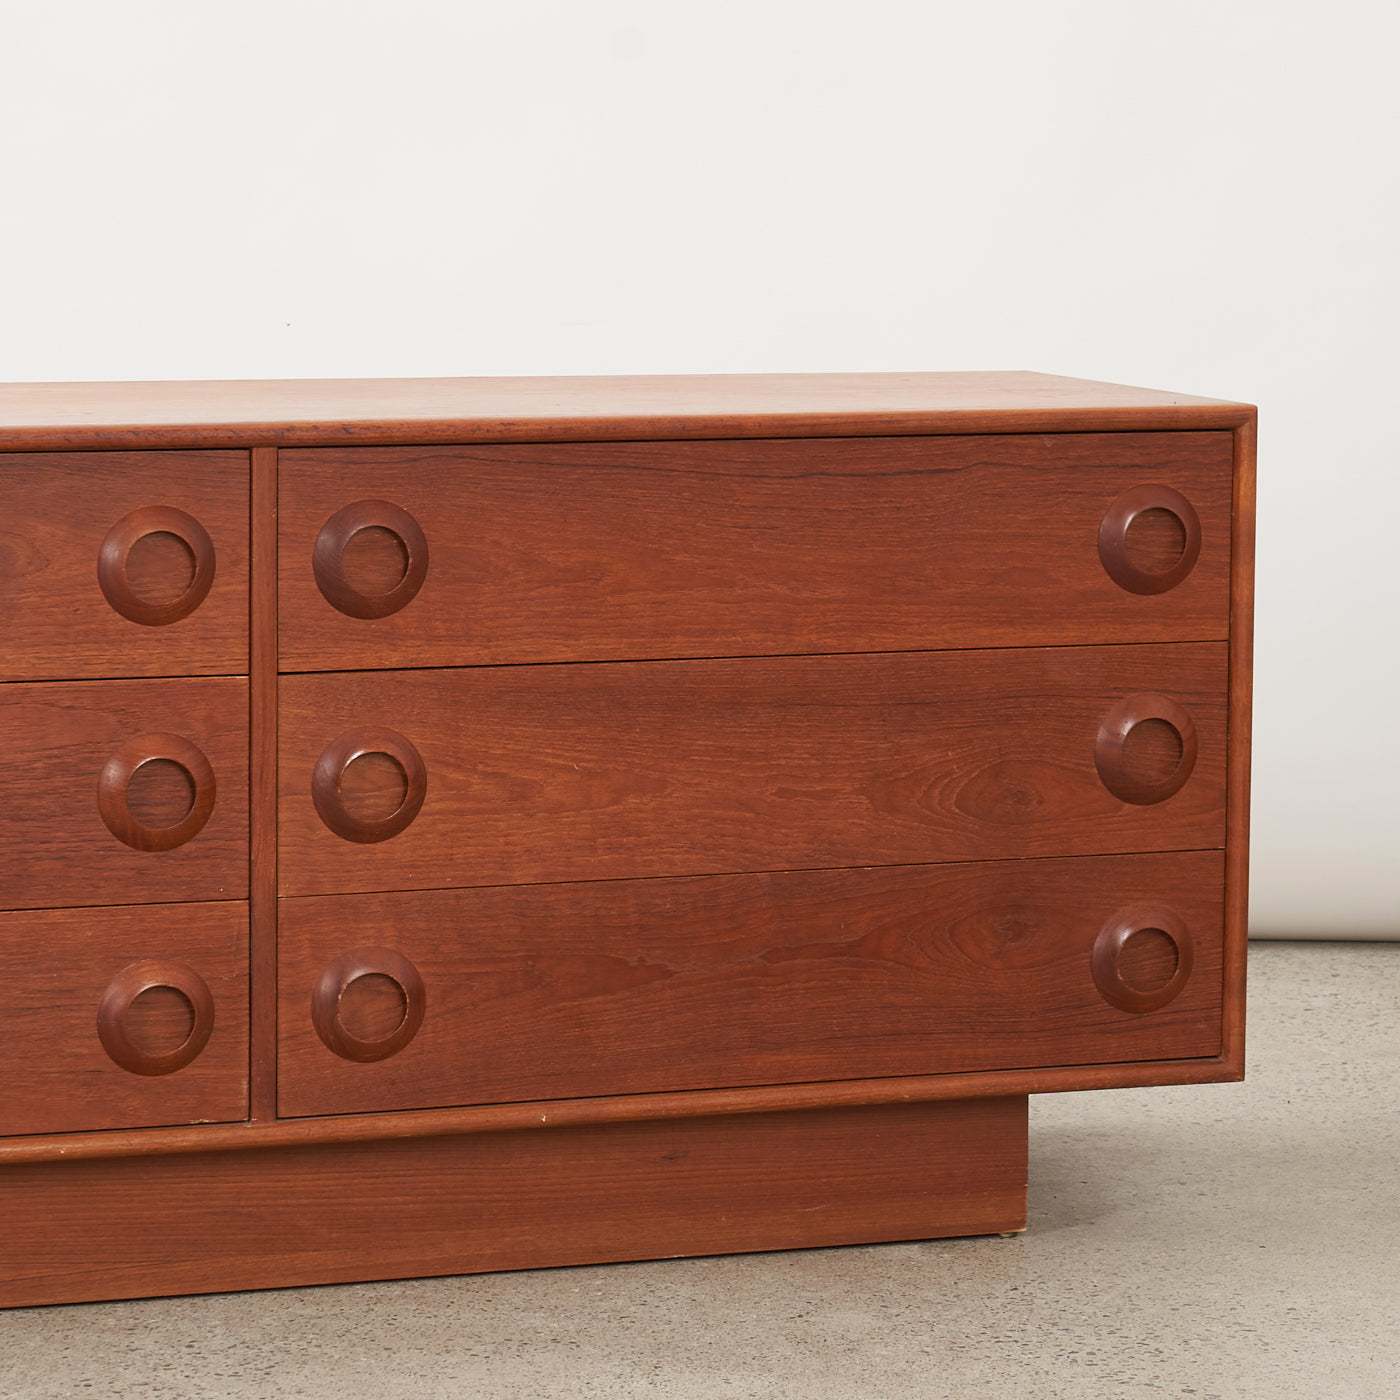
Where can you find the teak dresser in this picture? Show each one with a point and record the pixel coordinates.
(452, 825)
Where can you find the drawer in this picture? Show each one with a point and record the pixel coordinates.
(123, 1018)
(123, 564)
(446, 556)
(616, 987)
(123, 792)
(522, 774)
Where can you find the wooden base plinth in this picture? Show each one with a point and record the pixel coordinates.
(208, 1222)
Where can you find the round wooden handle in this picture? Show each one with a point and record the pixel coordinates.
(1109, 749)
(336, 980)
(1105, 961)
(117, 773)
(329, 773)
(1113, 538)
(328, 558)
(112, 564)
(125, 987)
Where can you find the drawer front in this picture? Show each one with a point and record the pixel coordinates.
(123, 792)
(521, 774)
(393, 557)
(123, 1018)
(635, 986)
(123, 564)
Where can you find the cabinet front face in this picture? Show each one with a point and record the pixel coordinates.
(455, 556)
(589, 835)
(524, 774)
(552, 991)
(123, 1018)
(608, 769)
(123, 564)
(123, 792)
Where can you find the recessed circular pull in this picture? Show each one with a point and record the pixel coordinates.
(156, 565)
(406, 788)
(115, 1016)
(353, 988)
(123, 772)
(1145, 749)
(1142, 958)
(1118, 548)
(406, 559)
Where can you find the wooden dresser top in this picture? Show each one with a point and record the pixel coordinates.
(298, 412)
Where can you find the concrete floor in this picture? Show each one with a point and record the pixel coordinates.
(1223, 1241)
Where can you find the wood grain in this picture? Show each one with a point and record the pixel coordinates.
(84, 1230)
(156, 565)
(544, 1115)
(262, 728)
(583, 551)
(724, 943)
(58, 738)
(369, 559)
(578, 772)
(55, 967)
(1150, 539)
(300, 412)
(164, 1037)
(180, 815)
(1240, 720)
(57, 510)
(645, 986)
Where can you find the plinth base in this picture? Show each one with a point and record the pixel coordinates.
(274, 1217)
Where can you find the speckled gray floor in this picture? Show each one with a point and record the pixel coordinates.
(1225, 1241)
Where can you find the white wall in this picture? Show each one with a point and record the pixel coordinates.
(1196, 196)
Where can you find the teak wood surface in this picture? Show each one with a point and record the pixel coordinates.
(337, 1214)
(55, 965)
(583, 551)
(57, 509)
(578, 772)
(262, 779)
(641, 986)
(307, 412)
(1240, 740)
(805, 516)
(57, 739)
